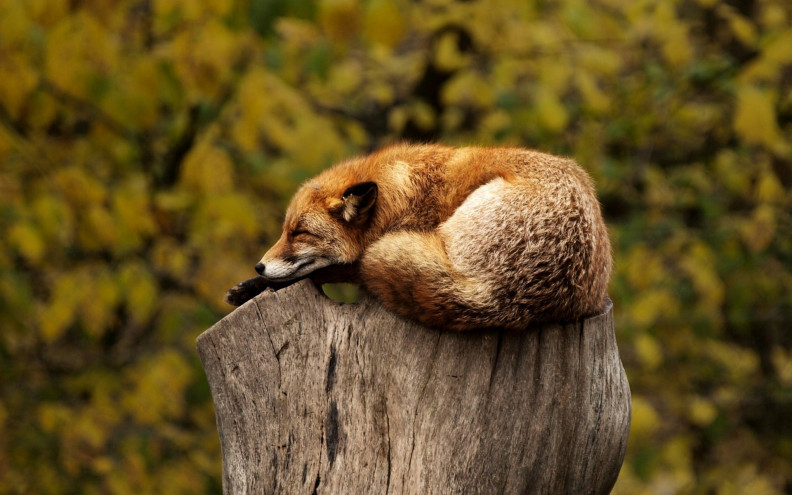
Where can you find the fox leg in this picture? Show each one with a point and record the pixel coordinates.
(411, 273)
(250, 288)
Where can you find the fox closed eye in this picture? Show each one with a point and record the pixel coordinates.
(302, 233)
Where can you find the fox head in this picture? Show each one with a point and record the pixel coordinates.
(321, 228)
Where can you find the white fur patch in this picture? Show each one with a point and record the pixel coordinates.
(401, 175)
(280, 270)
(476, 222)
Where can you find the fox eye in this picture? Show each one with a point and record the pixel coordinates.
(301, 233)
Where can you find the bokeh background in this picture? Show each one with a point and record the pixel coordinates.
(149, 147)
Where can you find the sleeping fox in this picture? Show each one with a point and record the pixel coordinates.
(453, 238)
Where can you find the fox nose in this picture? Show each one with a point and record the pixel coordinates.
(259, 268)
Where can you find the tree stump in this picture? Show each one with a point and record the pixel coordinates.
(313, 396)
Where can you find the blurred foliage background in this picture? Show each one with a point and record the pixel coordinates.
(148, 148)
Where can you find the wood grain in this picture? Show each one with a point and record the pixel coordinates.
(313, 396)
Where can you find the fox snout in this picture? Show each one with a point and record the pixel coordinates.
(279, 270)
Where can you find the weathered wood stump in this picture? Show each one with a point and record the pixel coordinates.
(313, 396)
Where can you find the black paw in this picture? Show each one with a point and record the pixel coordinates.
(245, 291)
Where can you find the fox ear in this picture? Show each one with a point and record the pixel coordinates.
(358, 201)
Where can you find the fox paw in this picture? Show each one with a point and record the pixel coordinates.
(245, 291)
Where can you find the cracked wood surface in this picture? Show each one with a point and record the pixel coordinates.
(313, 396)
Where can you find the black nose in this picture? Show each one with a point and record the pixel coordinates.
(260, 268)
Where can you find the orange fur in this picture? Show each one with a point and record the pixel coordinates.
(454, 238)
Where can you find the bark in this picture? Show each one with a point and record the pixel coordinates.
(313, 396)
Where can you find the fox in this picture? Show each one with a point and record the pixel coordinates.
(455, 238)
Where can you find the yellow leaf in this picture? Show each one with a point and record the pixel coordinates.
(777, 50)
(384, 22)
(98, 230)
(673, 33)
(651, 305)
(649, 351)
(741, 26)
(346, 76)
(397, 118)
(130, 101)
(157, 388)
(340, 19)
(60, 312)
(645, 420)
(467, 88)
(355, 133)
(658, 193)
(551, 112)
(596, 99)
(78, 187)
(102, 465)
(643, 268)
(768, 66)
(46, 12)
(204, 57)
(7, 146)
(702, 412)
(382, 93)
(89, 430)
(755, 117)
(422, 115)
(216, 270)
(773, 16)
(760, 230)
(52, 415)
(55, 218)
(698, 264)
(244, 132)
(496, 122)
(734, 175)
(782, 361)
(100, 296)
(599, 60)
(327, 144)
(133, 214)
(740, 364)
(230, 218)
(297, 32)
(28, 242)
(555, 77)
(80, 51)
(769, 188)
(169, 257)
(42, 111)
(140, 292)
(188, 10)
(14, 23)
(677, 48)
(207, 169)
(447, 56)
(17, 83)
(677, 455)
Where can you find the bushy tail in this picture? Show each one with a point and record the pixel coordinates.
(412, 275)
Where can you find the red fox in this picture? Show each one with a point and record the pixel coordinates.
(453, 238)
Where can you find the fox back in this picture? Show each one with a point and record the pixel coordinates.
(456, 238)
